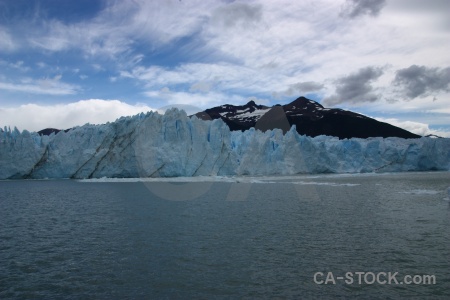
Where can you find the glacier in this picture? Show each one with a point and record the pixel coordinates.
(173, 145)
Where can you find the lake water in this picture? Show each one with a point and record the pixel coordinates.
(233, 238)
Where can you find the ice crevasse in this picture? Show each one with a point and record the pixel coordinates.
(173, 144)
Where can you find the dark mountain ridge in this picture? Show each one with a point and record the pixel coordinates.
(48, 131)
(310, 118)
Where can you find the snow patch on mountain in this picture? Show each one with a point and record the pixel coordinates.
(255, 115)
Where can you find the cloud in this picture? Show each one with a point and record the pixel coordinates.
(7, 43)
(440, 110)
(163, 22)
(234, 50)
(201, 86)
(34, 117)
(202, 77)
(414, 127)
(117, 29)
(439, 7)
(203, 100)
(235, 14)
(356, 8)
(46, 86)
(304, 87)
(420, 81)
(356, 87)
(18, 65)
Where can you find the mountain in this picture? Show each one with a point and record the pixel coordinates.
(310, 118)
(48, 131)
(173, 144)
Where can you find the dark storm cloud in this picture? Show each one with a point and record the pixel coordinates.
(303, 87)
(356, 8)
(356, 87)
(420, 81)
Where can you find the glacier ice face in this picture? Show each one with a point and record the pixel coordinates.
(169, 145)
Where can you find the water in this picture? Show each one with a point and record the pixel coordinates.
(263, 238)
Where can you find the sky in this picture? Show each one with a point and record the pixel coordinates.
(65, 63)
